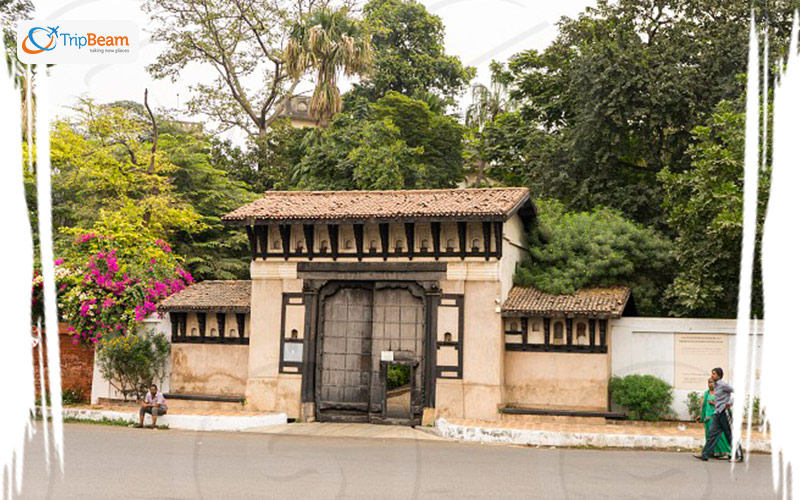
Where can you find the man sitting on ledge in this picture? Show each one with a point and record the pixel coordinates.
(154, 404)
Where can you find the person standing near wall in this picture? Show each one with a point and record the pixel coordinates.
(720, 421)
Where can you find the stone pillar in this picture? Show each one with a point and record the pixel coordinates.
(484, 343)
(263, 392)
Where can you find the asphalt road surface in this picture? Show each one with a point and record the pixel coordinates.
(122, 463)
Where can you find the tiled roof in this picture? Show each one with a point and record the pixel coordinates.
(211, 295)
(609, 302)
(442, 204)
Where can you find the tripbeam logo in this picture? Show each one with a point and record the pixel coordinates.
(43, 42)
(49, 44)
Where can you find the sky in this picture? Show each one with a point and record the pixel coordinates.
(477, 31)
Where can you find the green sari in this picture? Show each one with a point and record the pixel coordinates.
(707, 411)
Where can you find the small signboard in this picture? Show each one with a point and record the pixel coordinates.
(293, 352)
(387, 355)
(695, 355)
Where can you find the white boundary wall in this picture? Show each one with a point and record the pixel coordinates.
(101, 388)
(647, 346)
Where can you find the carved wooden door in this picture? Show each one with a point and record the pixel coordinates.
(346, 353)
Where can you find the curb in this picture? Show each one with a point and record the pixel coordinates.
(528, 437)
(184, 422)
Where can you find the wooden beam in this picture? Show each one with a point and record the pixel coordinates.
(201, 323)
(603, 325)
(487, 239)
(546, 329)
(498, 239)
(524, 326)
(410, 239)
(569, 331)
(436, 235)
(462, 239)
(333, 235)
(384, 230)
(308, 231)
(174, 319)
(221, 324)
(240, 324)
(251, 237)
(263, 239)
(358, 232)
(286, 239)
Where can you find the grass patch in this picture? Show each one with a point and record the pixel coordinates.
(114, 422)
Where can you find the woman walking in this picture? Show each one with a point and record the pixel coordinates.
(722, 450)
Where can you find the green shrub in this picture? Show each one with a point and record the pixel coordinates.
(73, 397)
(644, 396)
(694, 402)
(69, 397)
(132, 362)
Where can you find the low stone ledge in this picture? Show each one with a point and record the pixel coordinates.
(184, 421)
(550, 438)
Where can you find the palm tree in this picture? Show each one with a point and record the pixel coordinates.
(487, 104)
(329, 42)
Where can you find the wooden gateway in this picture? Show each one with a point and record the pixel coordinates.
(385, 306)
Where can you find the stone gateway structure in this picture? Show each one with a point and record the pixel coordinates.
(352, 291)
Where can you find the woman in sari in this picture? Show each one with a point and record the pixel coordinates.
(723, 449)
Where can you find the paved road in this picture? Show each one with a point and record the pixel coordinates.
(121, 463)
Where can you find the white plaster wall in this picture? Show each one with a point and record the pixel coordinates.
(647, 346)
(513, 252)
(101, 388)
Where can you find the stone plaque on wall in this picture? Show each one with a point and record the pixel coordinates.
(695, 355)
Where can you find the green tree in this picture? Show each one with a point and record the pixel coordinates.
(572, 250)
(704, 207)
(214, 250)
(262, 165)
(243, 43)
(395, 143)
(328, 42)
(101, 174)
(11, 13)
(488, 103)
(101, 181)
(410, 56)
(623, 85)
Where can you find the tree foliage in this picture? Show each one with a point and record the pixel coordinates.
(410, 56)
(132, 362)
(572, 250)
(101, 174)
(243, 41)
(108, 283)
(102, 181)
(620, 90)
(395, 143)
(328, 42)
(704, 208)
